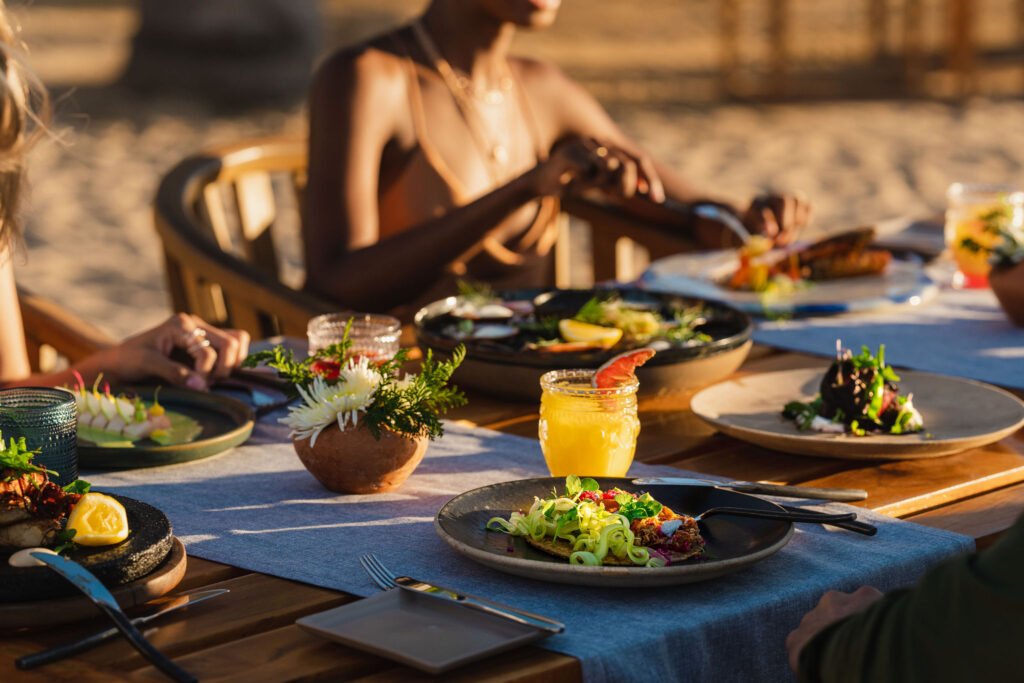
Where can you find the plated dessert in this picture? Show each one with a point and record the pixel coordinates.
(592, 527)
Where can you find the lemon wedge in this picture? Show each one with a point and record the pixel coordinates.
(576, 331)
(98, 519)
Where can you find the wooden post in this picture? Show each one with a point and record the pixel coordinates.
(778, 33)
(729, 54)
(913, 47)
(878, 28)
(960, 44)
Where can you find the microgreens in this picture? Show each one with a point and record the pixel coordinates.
(16, 460)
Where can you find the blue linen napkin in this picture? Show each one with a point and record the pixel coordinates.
(257, 508)
(962, 333)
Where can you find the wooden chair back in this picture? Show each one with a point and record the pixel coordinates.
(54, 336)
(228, 220)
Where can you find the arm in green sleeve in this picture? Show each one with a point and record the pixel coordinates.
(964, 621)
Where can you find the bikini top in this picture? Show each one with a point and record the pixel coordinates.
(427, 187)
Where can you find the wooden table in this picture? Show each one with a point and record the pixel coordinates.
(250, 633)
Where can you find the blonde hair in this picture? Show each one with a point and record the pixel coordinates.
(24, 114)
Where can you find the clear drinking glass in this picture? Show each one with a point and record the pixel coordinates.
(584, 430)
(374, 336)
(48, 419)
(975, 213)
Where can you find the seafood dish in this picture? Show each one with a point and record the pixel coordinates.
(588, 526)
(105, 418)
(858, 394)
(846, 255)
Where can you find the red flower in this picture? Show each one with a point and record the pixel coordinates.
(328, 369)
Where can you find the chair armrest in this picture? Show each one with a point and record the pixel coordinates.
(48, 323)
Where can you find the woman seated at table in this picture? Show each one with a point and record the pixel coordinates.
(434, 155)
(964, 621)
(212, 352)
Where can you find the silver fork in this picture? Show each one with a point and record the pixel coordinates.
(386, 580)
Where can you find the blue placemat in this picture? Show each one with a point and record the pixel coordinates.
(962, 333)
(257, 508)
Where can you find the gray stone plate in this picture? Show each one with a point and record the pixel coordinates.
(732, 542)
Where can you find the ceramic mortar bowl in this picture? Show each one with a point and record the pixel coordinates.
(1008, 285)
(353, 461)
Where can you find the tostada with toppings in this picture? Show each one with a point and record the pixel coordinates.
(590, 526)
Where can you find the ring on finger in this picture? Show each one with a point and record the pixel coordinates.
(601, 152)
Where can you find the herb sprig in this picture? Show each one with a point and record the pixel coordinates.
(16, 460)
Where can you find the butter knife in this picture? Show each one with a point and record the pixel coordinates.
(809, 492)
(481, 604)
(86, 581)
(164, 605)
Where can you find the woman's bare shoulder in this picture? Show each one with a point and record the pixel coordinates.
(373, 66)
(540, 76)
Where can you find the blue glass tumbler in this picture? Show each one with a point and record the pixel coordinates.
(48, 419)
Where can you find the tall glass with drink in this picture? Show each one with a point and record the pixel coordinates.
(975, 216)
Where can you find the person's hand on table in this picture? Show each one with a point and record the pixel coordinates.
(832, 607)
(779, 217)
(212, 353)
(578, 165)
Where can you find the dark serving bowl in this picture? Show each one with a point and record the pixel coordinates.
(504, 369)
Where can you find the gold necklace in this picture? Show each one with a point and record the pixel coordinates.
(495, 154)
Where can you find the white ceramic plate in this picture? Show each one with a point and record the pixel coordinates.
(698, 274)
(959, 414)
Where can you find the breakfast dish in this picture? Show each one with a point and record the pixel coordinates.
(512, 338)
(954, 414)
(727, 543)
(592, 527)
(858, 395)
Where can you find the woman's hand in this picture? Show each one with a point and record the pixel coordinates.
(832, 607)
(579, 164)
(779, 217)
(212, 352)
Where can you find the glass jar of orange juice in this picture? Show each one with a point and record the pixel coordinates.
(975, 215)
(585, 430)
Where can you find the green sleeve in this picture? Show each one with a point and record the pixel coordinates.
(964, 621)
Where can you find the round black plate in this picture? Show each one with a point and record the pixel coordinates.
(506, 369)
(226, 423)
(732, 542)
(148, 543)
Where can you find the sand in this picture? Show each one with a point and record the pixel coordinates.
(92, 247)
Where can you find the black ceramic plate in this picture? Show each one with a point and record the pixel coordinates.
(226, 423)
(732, 542)
(148, 543)
(505, 368)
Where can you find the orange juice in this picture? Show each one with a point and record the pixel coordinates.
(587, 431)
(974, 218)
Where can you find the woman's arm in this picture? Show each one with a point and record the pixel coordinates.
(353, 120)
(14, 363)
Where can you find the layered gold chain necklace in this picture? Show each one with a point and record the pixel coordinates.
(494, 151)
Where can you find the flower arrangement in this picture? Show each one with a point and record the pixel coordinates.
(1009, 250)
(360, 425)
(336, 387)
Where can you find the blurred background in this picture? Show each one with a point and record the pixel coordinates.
(870, 107)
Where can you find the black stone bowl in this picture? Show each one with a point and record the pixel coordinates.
(148, 544)
(507, 369)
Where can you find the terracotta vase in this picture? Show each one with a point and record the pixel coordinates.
(1008, 285)
(353, 461)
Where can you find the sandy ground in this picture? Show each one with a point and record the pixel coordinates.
(91, 244)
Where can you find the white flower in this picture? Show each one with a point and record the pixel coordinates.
(323, 403)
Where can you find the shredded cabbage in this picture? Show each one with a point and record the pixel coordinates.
(593, 532)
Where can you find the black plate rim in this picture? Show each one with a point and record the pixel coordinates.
(566, 570)
(428, 339)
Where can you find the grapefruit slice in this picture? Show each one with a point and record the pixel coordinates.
(576, 331)
(621, 368)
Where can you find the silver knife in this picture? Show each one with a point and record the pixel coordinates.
(481, 604)
(165, 605)
(809, 492)
(86, 581)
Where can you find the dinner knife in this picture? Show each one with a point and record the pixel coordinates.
(86, 581)
(809, 492)
(481, 604)
(165, 605)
